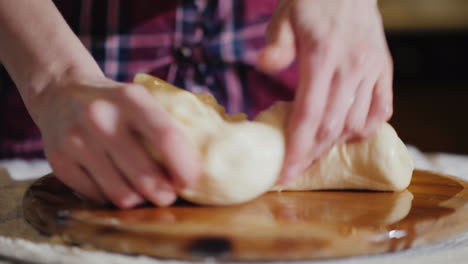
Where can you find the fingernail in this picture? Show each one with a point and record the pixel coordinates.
(165, 198)
(132, 200)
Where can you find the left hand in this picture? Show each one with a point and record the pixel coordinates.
(345, 74)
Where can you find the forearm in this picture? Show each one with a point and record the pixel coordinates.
(37, 47)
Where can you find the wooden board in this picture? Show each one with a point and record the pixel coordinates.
(276, 226)
(427, 15)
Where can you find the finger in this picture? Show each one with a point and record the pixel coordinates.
(357, 115)
(340, 100)
(316, 68)
(279, 28)
(74, 177)
(280, 51)
(128, 155)
(142, 172)
(381, 108)
(101, 170)
(162, 134)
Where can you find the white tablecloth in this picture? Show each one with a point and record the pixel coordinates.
(35, 250)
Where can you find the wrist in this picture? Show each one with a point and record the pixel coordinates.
(42, 87)
(37, 80)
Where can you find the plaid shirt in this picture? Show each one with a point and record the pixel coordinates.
(201, 45)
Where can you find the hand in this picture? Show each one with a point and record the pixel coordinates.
(345, 74)
(93, 132)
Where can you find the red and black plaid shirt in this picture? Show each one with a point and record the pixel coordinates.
(201, 45)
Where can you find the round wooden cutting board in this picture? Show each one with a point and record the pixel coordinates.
(276, 226)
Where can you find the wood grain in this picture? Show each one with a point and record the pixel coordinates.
(276, 226)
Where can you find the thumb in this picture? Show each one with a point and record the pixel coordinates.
(280, 51)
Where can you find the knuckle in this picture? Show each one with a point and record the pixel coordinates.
(92, 113)
(311, 43)
(103, 117)
(326, 43)
(308, 40)
(328, 131)
(130, 92)
(357, 59)
(353, 128)
(73, 138)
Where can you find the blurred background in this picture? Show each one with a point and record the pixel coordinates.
(429, 43)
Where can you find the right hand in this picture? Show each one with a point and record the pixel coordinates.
(93, 131)
(345, 73)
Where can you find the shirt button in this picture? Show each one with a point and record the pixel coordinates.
(186, 52)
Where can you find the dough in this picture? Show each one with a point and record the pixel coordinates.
(242, 159)
(381, 162)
